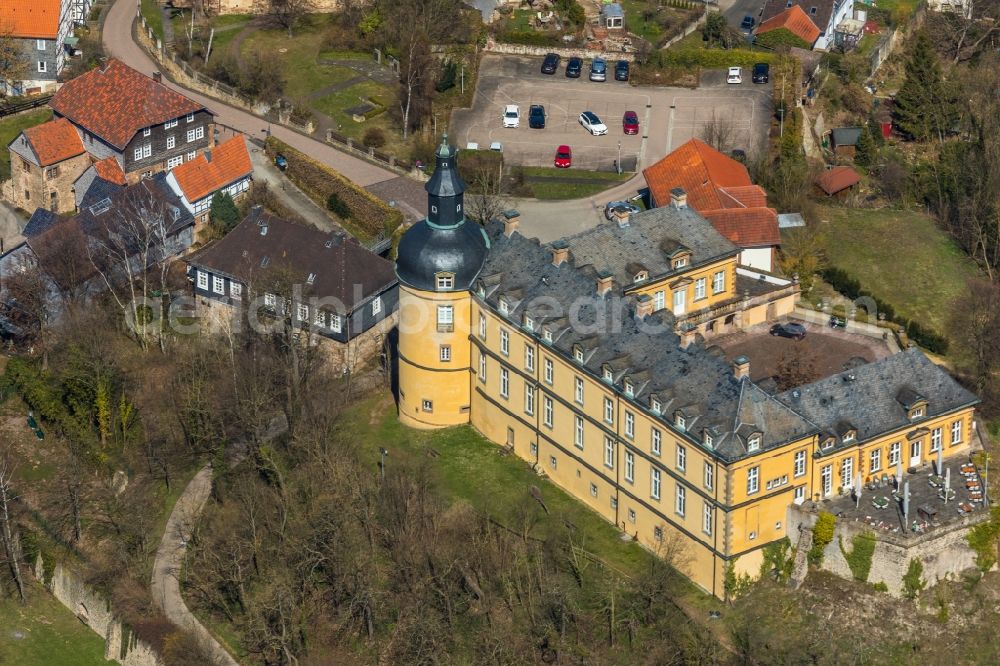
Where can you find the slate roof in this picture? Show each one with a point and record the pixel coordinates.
(336, 260)
(691, 380)
(608, 247)
(97, 216)
(110, 170)
(54, 141)
(720, 189)
(820, 17)
(115, 101)
(837, 179)
(796, 21)
(38, 19)
(845, 136)
(99, 189)
(871, 397)
(213, 170)
(40, 221)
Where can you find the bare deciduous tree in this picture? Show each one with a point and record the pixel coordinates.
(8, 530)
(13, 62)
(719, 132)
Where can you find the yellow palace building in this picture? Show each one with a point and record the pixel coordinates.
(586, 357)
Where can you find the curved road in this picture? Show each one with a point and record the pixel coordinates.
(165, 585)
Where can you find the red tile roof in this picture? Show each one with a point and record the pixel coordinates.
(54, 141)
(38, 19)
(796, 21)
(720, 189)
(202, 176)
(837, 179)
(115, 101)
(109, 169)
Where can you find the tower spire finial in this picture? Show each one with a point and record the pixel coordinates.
(445, 149)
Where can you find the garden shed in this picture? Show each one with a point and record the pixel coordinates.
(613, 16)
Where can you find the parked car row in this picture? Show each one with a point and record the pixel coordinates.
(536, 120)
(761, 74)
(574, 68)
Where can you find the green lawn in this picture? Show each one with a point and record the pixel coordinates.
(648, 30)
(11, 126)
(900, 256)
(549, 182)
(465, 467)
(44, 632)
(154, 16)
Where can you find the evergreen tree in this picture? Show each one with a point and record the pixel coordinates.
(924, 109)
(223, 212)
(866, 151)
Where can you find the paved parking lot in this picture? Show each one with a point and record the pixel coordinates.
(667, 116)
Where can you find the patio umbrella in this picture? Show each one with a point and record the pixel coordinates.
(947, 484)
(906, 506)
(899, 471)
(939, 461)
(857, 492)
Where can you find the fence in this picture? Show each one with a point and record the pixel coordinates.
(11, 109)
(347, 144)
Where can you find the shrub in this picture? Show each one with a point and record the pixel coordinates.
(781, 37)
(735, 585)
(223, 212)
(880, 586)
(708, 58)
(822, 536)
(779, 558)
(913, 583)
(859, 559)
(337, 206)
(984, 539)
(449, 72)
(373, 137)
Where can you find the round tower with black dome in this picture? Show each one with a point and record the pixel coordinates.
(437, 261)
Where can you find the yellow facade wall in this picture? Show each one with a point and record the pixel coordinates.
(426, 379)
(705, 272)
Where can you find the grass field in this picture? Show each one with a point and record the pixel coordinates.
(153, 13)
(900, 256)
(45, 633)
(551, 183)
(11, 126)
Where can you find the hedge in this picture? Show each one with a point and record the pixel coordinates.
(709, 58)
(859, 558)
(370, 216)
(850, 287)
(532, 38)
(781, 37)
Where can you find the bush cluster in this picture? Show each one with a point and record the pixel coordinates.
(822, 536)
(708, 58)
(859, 559)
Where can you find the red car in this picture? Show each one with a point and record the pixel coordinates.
(630, 123)
(564, 157)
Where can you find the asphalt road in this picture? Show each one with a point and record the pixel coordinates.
(740, 8)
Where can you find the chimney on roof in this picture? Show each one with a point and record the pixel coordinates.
(604, 282)
(105, 63)
(643, 306)
(208, 156)
(678, 198)
(687, 336)
(621, 215)
(511, 220)
(158, 77)
(741, 367)
(560, 252)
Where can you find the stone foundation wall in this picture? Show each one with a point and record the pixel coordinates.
(91, 608)
(944, 551)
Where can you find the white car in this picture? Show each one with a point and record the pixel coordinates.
(735, 75)
(511, 116)
(592, 123)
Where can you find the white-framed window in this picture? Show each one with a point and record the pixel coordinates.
(504, 307)
(547, 335)
(578, 390)
(482, 367)
(43, 66)
(654, 405)
(629, 388)
(319, 317)
(547, 411)
(654, 483)
(444, 353)
(631, 515)
(578, 354)
(847, 472)
(956, 432)
(504, 383)
(553, 462)
(445, 317)
(533, 448)
(171, 141)
(753, 443)
(680, 502)
(629, 424)
(614, 502)
(302, 312)
(800, 463)
(482, 326)
(529, 399)
(680, 262)
(547, 370)
(709, 475)
(593, 490)
(679, 421)
(175, 161)
(894, 450)
(143, 151)
(235, 289)
(659, 301)
(195, 134)
(376, 305)
(699, 288)
(529, 358)
(826, 474)
(190, 117)
(935, 440)
(170, 124)
(609, 452)
(190, 156)
(336, 324)
(608, 375)
(629, 466)
(445, 282)
(706, 518)
(718, 282)
(578, 432)
(655, 441)
(218, 285)
(876, 460)
(800, 495)
(202, 280)
(427, 405)
(40, 44)
(681, 458)
(609, 410)
(147, 131)
(753, 480)
(504, 342)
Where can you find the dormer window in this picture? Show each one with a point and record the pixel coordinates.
(504, 308)
(655, 405)
(679, 421)
(608, 376)
(917, 412)
(708, 439)
(444, 281)
(827, 443)
(529, 323)
(547, 335)
(629, 388)
(640, 276)
(578, 354)
(679, 262)
(753, 442)
(849, 436)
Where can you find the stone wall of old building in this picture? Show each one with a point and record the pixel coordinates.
(33, 186)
